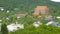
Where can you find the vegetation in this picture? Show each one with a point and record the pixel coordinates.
(43, 29)
(28, 6)
(4, 29)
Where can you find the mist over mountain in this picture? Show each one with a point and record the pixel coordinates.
(55, 0)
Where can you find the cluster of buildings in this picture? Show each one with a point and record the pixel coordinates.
(39, 10)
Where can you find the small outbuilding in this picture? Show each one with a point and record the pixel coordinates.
(20, 15)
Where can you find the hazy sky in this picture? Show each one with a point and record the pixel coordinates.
(56, 0)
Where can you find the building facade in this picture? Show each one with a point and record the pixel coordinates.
(41, 10)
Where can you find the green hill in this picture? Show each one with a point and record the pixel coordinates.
(28, 5)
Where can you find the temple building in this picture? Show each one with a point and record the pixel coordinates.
(41, 10)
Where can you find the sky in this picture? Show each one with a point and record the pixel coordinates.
(56, 0)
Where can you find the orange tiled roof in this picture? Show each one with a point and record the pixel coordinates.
(41, 7)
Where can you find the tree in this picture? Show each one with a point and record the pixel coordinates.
(4, 29)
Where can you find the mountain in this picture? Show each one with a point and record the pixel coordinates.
(28, 5)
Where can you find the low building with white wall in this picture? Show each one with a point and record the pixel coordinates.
(37, 24)
(13, 27)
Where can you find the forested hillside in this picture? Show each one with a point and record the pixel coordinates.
(29, 5)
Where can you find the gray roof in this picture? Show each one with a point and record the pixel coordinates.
(56, 24)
